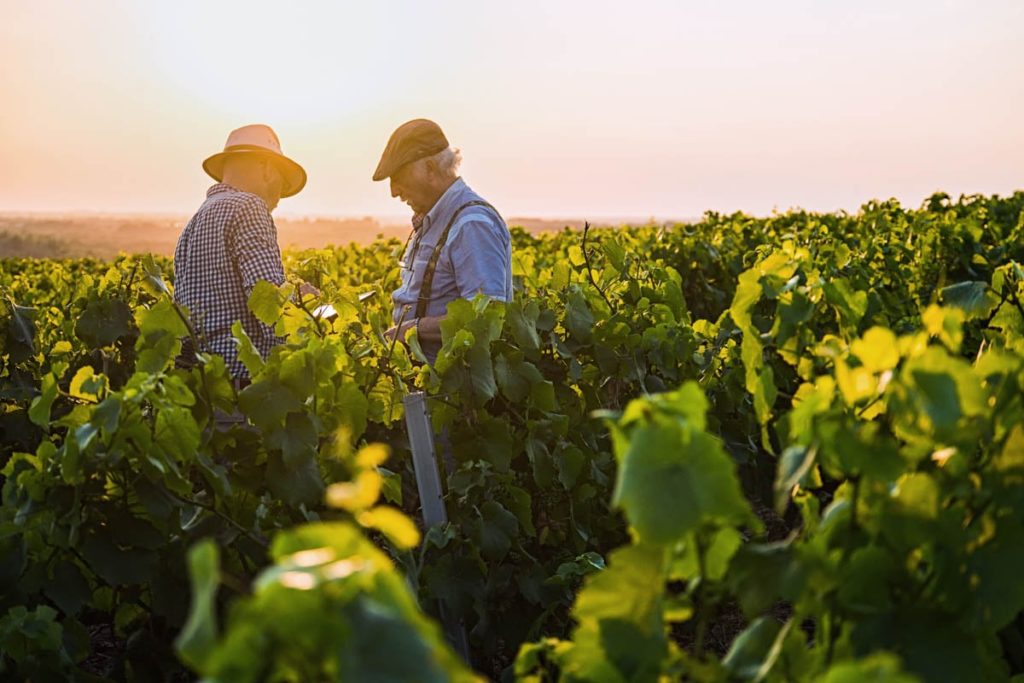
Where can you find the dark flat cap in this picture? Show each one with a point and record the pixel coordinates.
(412, 140)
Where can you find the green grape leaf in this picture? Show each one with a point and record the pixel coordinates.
(718, 553)
(126, 529)
(522, 320)
(118, 566)
(619, 611)
(247, 353)
(266, 302)
(913, 509)
(687, 402)
(615, 254)
(542, 396)
(103, 322)
(39, 410)
(87, 385)
(198, 638)
(342, 538)
(177, 434)
(943, 388)
(881, 667)
(297, 483)
(494, 530)
(161, 317)
(391, 522)
(877, 350)
(579, 321)
(795, 464)
(21, 330)
(932, 646)
(760, 379)
(542, 463)
(673, 480)
(154, 498)
(266, 403)
(297, 440)
(297, 373)
(353, 408)
(407, 656)
(391, 485)
(1011, 457)
(851, 304)
(494, 442)
(521, 505)
(762, 573)
(867, 579)
(153, 277)
(569, 463)
(69, 589)
(754, 651)
(946, 323)
(997, 594)
(481, 370)
(973, 298)
(84, 436)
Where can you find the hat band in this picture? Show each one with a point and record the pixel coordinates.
(251, 148)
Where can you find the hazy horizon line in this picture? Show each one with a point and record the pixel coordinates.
(97, 213)
(390, 219)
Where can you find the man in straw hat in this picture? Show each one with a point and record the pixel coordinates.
(231, 243)
(459, 246)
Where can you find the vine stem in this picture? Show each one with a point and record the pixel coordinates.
(835, 620)
(316, 321)
(856, 501)
(702, 599)
(194, 336)
(127, 284)
(211, 508)
(391, 350)
(1016, 302)
(590, 271)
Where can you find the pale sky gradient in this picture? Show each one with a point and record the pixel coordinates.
(581, 109)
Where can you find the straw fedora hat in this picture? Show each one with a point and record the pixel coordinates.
(261, 140)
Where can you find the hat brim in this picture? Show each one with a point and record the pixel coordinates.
(293, 175)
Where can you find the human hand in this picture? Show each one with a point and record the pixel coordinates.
(398, 331)
(306, 289)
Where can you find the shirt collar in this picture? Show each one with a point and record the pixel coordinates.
(439, 205)
(220, 187)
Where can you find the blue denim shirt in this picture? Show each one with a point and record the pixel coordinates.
(476, 258)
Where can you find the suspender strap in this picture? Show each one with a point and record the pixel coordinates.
(427, 285)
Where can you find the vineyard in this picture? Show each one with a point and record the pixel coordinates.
(741, 449)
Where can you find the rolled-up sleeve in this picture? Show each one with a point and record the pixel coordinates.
(481, 256)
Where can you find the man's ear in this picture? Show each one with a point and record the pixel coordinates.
(431, 167)
(272, 173)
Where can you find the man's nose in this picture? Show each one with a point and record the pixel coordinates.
(394, 188)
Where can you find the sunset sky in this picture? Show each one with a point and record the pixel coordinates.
(568, 109)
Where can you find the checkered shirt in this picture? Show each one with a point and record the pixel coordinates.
(228, 246)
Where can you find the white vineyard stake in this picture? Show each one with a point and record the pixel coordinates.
(428, 483)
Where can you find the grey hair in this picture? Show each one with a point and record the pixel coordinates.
(448, 160)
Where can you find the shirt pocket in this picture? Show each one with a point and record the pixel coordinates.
(420, 258)
(414, 265)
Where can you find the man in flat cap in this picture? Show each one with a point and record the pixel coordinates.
(231, 243)
(460, 245)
